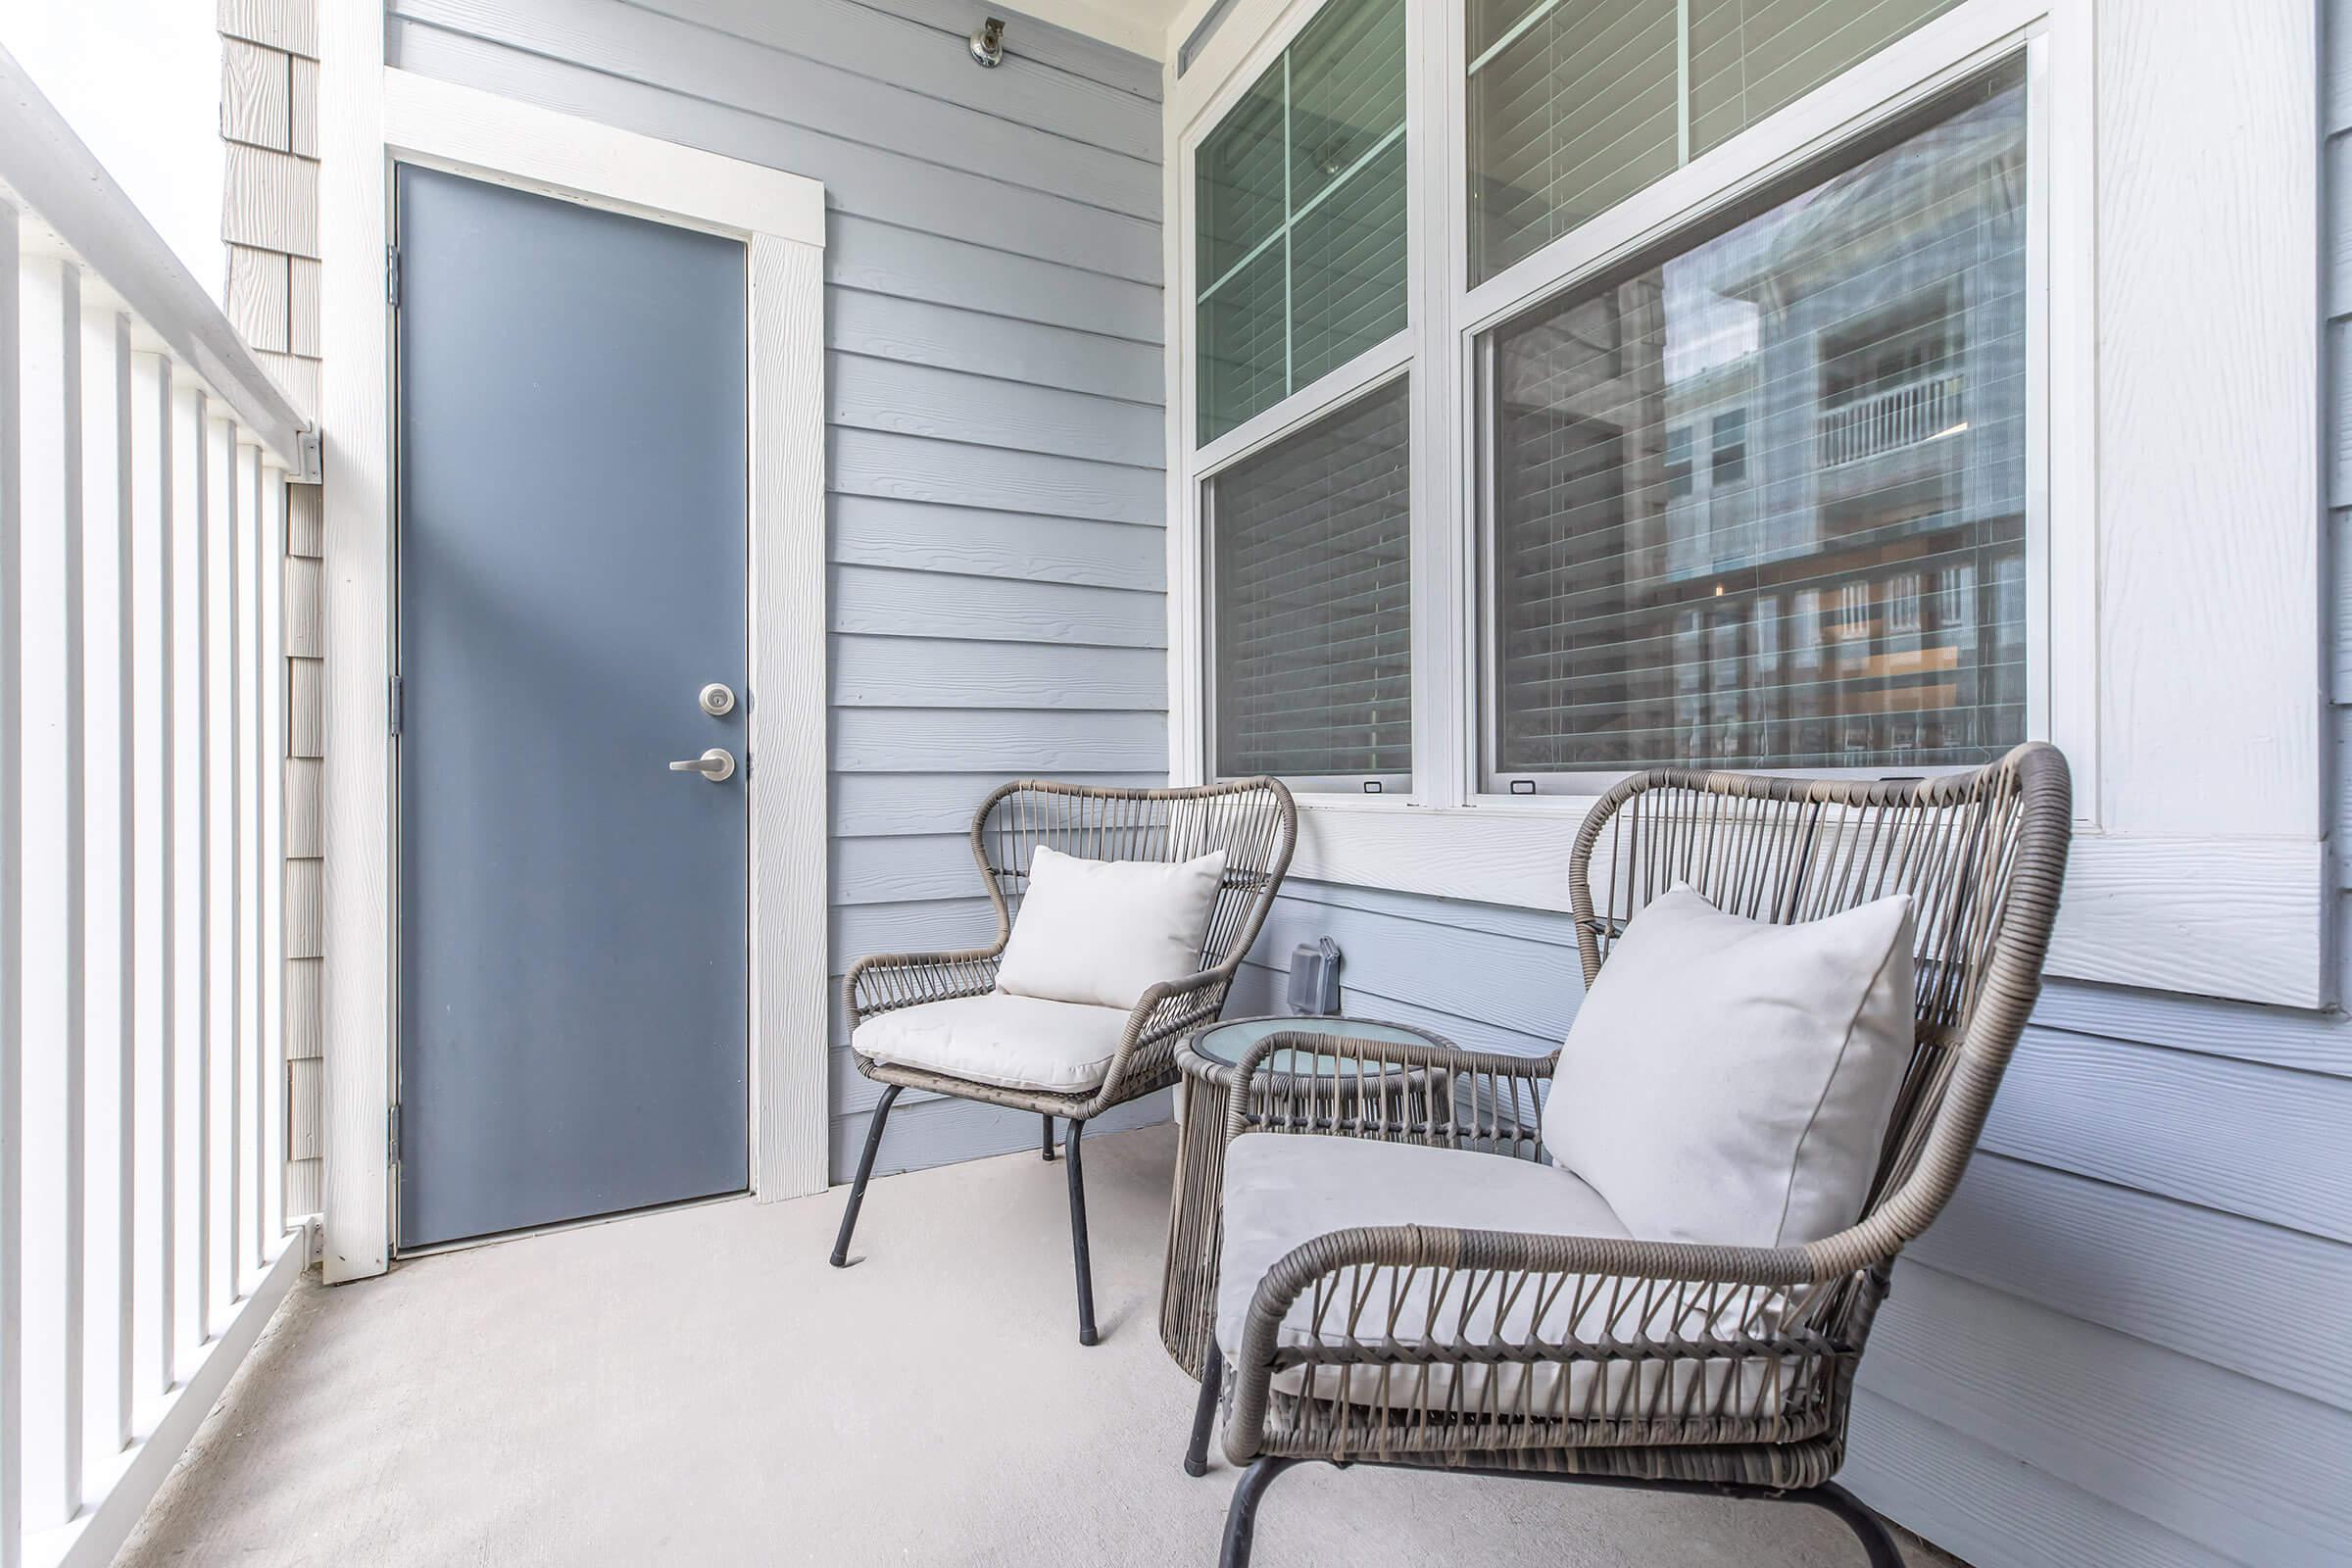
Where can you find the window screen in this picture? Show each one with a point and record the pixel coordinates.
(1761, 502)
(1299, 214)
(1576, 104)
(1311, 589)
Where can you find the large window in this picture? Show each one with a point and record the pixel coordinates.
(1299, 216)
(1312, 585)
(1759, 499)
(1753, 496)
(1795, 388)
(1576, 104)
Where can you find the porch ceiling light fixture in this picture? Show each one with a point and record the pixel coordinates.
(988, 42)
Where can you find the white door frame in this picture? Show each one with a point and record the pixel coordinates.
(373, 116)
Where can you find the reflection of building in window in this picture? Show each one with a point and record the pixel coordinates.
(1731, 448)
(1837, 575)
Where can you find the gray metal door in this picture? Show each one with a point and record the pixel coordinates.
(572, 503)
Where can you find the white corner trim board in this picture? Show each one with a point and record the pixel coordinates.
(377, 116)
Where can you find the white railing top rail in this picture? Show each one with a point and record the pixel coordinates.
(47, 171)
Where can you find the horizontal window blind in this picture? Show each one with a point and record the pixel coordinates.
(1760, 503)
(1572, 108)
(1299, 216)
(1752, 57)
(1574, 105)
(1310, 577)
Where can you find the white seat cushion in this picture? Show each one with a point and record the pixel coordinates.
(1729, 1081)
(1013, 1041)
(1104, 932)
(1283, 1189)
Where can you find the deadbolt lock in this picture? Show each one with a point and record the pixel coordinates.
(718, 699)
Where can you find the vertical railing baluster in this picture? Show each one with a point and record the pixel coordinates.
(152, 1282)
(12, 919)
(252, 1253)
(49, 469)
(111, 999)
(127, 910)
(269, 751)
(218, 618)
(191, 1000)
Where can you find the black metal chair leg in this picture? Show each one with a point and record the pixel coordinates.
(1205, 1411)
(1086, 1272)
(865, 1169)
(1867, 1525)
(1241, 1516)
(1047, 1147)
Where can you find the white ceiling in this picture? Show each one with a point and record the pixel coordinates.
(1139, 26)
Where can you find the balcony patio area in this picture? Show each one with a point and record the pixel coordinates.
(697, 1385)
(1254, 545)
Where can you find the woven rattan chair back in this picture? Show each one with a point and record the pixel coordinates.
(1982, 854)
(1253, 820)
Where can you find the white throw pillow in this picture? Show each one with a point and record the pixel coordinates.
(1107, 931)
(1730, 1082)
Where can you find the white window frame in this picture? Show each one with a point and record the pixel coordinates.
(1374, 784)
(2200, 857)
(1192, 729)
(1659, 215)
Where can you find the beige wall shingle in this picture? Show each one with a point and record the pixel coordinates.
(257, 95)
(258, 296)
(271, 201)
(288, 24)
(269, 224)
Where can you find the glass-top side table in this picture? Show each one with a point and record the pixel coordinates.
(1188, 1296)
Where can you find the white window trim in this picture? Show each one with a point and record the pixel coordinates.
(2201, 858)
(373, 119)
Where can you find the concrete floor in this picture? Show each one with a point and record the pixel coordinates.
(698, 1386)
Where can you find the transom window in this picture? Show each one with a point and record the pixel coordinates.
(1299, 216)
(1574, 105)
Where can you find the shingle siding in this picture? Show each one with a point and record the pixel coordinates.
(269, 234)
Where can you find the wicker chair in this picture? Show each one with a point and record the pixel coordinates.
(1253, 820)
(1718, 1369)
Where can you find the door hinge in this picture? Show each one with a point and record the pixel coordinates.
(392, 1135)
(392, 275)
(395, 704)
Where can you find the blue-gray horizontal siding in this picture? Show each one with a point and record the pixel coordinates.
(994, 441)
(2126, 1332)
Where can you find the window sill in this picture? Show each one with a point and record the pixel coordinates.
(2241, 918)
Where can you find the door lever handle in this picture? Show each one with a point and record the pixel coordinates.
(717, 765)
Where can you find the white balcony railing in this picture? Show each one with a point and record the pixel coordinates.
(143, 462)
(1908, 414)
